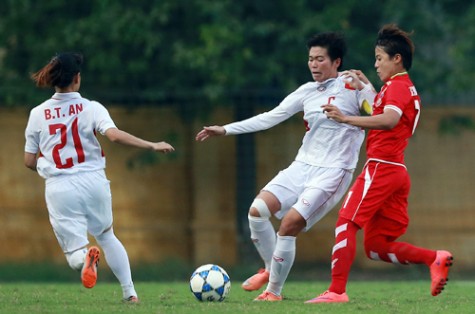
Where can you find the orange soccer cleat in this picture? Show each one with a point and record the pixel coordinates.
(256, 281)
(89, 270)
(268, 296)
(132, 300)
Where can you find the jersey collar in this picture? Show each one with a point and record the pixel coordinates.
(398, 74)
(66, 96)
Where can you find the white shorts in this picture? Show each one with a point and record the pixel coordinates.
(78, 204)
(312, 191)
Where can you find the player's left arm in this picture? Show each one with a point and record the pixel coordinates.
(30, 161)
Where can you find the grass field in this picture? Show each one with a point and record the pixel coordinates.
(175, 297)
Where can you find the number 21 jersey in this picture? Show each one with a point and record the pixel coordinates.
(62, 130)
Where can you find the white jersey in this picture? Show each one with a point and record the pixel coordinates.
(63, 131)
(326, 143)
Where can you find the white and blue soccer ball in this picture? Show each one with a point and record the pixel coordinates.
(210, 283)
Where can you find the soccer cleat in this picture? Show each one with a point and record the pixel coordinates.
(89, 270)
(330, 297)
(256, 281)
(439, 271)
(132, 300)
(268, 296)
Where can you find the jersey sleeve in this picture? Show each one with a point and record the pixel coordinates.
(103, 120)
(32, 136)
(397, 96)
(287, 108)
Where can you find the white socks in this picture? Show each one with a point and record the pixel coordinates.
(282, 262)
(76, 259)
(118, 261)
(264, 238)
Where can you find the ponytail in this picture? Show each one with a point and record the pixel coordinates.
(60, 71)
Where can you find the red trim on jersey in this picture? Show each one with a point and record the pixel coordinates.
(102, 150)
(348, 86)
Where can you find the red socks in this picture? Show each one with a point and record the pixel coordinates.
(380, 248)
(343, 254)
(376, 247)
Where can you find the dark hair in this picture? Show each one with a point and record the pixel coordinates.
(60, 71)
(334, 42)
(394, 40)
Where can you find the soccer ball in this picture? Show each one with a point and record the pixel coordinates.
(210, 283)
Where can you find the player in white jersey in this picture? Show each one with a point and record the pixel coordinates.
(61, 145)
(320, 174)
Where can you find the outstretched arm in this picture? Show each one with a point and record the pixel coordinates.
(124, 138)
(209, 131)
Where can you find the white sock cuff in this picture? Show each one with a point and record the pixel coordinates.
(76, 258)
(285, 243)
(257, 219)
(259, 223)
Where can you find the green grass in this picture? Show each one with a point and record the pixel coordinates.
(175, 297)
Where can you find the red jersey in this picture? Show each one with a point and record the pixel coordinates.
(399, 94)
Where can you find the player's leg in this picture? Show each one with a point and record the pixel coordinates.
(262, 235)
(359, 206)
(86, 261)
(99, 213)
(390, 222)
(68, 219)
(343, 255)
(380, 244)
(118, 261)
(324, 188)
(285, 249)
(76, 259)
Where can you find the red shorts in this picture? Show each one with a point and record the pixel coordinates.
(377, 201)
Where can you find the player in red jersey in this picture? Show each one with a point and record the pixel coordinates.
(377, 201)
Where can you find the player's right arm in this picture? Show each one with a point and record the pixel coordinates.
(287, 108)
(118, 136)
(209, 131)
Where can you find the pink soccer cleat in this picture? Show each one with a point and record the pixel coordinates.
(439, 271)
(330, 297)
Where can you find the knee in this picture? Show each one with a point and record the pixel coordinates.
(373, 247)
(259, 208)
(368, 250)
(289, 229)
(292, 225)
(109, 233)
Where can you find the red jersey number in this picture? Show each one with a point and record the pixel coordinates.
(62, 128)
